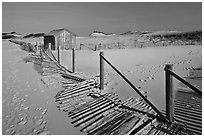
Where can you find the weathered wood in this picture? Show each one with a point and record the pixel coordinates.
(91, 105)
(73, 107)
(73, 89)
(81, 97)
(75, 95)
(194, 124)
(90, 109)
(127, 101)
(84, 106)
(92, 112)
(98, 128)
(68, 76)
(73, 60)
(78, 83)
(101, 71)
(110, 126)
(88, 104)
(147, 109)
(193, 127)
(100, 112)
(91, 123)
(116, 127)
(116, 121)
(127, 104)
(41, 54)
(145, 124)
(190, 117)
(71, 93)
(195, 113)
(88, 119)
(152, 130)
(62, 105)
(62, 98)
(121, 126)
(58, 53)
(184, 106)
(106, 117)
(142, 107)
(158, 127)
(126, 127)
(169, 94)
(138, 105)
(133, 103)
(188, 104)
(53, 56)
(67, 91)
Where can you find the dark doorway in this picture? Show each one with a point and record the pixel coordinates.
(49, 39)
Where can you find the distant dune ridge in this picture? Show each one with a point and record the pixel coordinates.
(100, 34)
(130, 39)
(34, 35)
(140, 39)
(9, 35)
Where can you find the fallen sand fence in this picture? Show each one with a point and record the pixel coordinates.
(104, 114)
(106, 110)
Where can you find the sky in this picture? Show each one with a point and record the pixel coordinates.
(83, 18)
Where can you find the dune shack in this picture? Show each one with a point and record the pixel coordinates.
(60, 37)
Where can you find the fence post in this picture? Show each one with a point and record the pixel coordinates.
(169, 94)
(58, 53)
(95, 48)
(73, 60)
(135, 43)
(101, 71)
(41, 53)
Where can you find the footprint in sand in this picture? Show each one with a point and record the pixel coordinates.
(10, 131)
(128, 71)
(143, 80)
(144, 92)
(23, 121)
(150, 78)
(44, 111)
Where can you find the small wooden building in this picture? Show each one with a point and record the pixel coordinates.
(63, 38)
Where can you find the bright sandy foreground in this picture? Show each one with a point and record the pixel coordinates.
(144, 67)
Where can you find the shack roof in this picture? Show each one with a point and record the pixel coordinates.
(48, 35)
(56, 31)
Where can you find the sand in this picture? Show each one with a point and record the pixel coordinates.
(28, 98)
(28, 105)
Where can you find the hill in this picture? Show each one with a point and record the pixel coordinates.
(99, 34)
(34, 35)
(9, 35)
